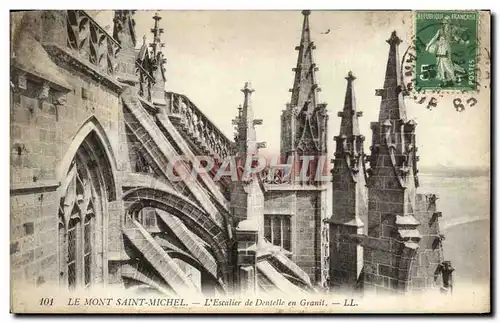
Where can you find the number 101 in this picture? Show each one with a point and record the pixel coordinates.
(46, 301)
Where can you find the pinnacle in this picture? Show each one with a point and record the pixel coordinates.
(390, 106)
(248, 88)
(156, 16)
(304, 86)
(350, 77)
(394, 39)
(349, 122)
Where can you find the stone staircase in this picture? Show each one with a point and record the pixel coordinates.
(152, 138)
(202, 135)
(169, 129)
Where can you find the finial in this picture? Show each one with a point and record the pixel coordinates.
(394, 40)
(247, 88)
(156, 16)
(306, 12)
(144, 39)
(350, 77)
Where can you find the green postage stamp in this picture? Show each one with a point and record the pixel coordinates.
(446, 46)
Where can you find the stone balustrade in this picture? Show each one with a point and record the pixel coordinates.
(197, 124)
(91, 42)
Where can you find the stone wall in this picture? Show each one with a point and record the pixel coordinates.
(387, 265)
(430, 252)
(45, 122)
(307, 213)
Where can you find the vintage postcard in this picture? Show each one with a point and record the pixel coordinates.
(250, 161)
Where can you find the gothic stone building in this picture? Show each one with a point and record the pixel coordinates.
(93, 132)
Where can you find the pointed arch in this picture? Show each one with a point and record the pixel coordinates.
(88, 183)
(91, 134)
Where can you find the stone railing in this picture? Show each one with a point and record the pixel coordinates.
(198, 125)
(90, 41)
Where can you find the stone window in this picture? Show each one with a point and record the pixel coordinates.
(147, 217)
(277, 230)
(87, 249)
(78, 213)
(72, 245)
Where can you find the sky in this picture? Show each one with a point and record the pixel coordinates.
(211, 54)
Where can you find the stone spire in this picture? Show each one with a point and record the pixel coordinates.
(349, 125)
(247, 196)
(304, 122)
(349, 163)
(392, 106)
(393, 134)
(158, 62)
(348, 185)
(247, 139)
(157, 44)
(393, 159)
(305, 89)
(349, 143)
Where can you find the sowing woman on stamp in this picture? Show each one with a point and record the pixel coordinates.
(440, 45)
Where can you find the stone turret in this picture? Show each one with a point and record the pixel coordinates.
(247, 197)
(393, 159)
(304, 152)
(349, 210)
(304, 121)
(403, 249)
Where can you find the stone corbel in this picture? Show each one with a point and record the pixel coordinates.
(435, 217)
(59, 101)
(438, 241)
(432, 198)
(19, 83)
(410, 126)
(22, 81)
(44, 92)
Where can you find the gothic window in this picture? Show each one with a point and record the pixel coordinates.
(277, 230)
(72, 243)
(62, 242)
(80, 209)
(88, 240)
